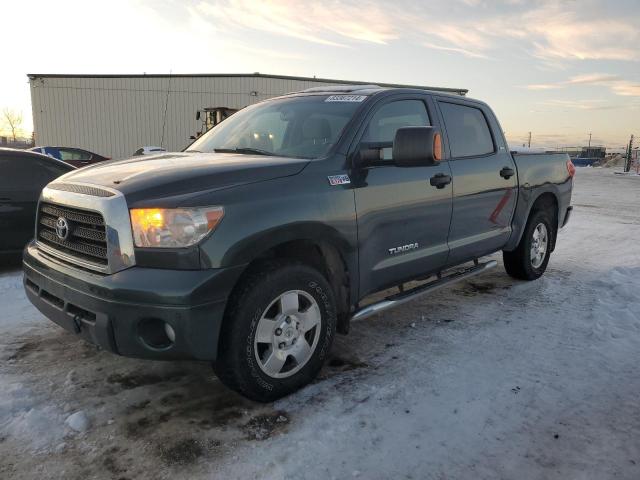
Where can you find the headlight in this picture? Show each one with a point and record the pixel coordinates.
(173, 227)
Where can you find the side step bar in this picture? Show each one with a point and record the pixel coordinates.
(408, 295)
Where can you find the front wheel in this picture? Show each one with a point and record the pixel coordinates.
(529, 260)
(277, 331)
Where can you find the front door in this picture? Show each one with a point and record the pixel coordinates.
(484, 181)
(403, 221)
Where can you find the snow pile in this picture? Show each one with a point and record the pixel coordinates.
(78, 421)
(24, 418)
(18, 315)
(617, 310)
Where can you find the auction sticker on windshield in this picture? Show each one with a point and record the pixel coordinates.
(346, 98)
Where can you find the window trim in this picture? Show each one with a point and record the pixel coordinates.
(484, 115)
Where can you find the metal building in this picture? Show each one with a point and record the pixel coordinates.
(113, 115)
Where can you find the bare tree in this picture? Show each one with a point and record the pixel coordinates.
(13, 120)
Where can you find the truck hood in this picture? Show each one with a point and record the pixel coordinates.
(180, 174)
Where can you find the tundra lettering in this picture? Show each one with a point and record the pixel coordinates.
(403, 248)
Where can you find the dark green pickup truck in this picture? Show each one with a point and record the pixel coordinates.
(265, 237)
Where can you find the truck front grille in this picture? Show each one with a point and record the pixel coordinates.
(84, 238)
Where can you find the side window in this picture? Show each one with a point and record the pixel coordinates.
(392, 116)
(48, 171)
(74, 155)
(17, 174)
(467, 129)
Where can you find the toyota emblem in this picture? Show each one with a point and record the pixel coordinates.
(62, 228)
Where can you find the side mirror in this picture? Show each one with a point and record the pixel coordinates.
(198, 115)
(417, 147)
(367, 155)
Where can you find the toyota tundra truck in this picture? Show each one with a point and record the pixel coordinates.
(273, 231)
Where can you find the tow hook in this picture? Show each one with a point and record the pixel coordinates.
(77, 323)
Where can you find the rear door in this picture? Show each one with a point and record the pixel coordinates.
(403, 221)
(484, 180)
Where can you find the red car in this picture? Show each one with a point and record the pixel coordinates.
(73, 156)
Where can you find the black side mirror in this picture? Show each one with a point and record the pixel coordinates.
(368, 154)
(198, 115)
(417, 147)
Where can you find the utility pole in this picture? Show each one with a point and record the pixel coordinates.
(529, 140)
(627, 164)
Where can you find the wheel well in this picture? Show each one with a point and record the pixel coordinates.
(548, 201)
(323, 257)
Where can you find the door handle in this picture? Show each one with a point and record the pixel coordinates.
(440, 180)
(507, 172)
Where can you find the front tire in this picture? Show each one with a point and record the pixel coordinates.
(530, 258)
(277, 331)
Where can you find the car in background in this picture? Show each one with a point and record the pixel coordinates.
(148, 151)
(23, 175)
(73, 156)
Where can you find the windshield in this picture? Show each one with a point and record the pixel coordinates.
(302, 127)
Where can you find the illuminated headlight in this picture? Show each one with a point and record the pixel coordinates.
(173, 227)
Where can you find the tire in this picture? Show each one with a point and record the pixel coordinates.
(263, 325)
(523, 263)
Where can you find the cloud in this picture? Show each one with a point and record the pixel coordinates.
(592, 79)
(615, 83)
(543, 86)
(466, 53)
(325, 23)
(550, 31)
(595, 104)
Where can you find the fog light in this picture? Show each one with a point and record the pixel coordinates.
(171, 334)
(156, 333)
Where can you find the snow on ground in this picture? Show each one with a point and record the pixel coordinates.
(493, 378)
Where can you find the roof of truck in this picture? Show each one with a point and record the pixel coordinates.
(372, 89)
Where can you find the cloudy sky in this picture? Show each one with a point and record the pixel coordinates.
(558, 69)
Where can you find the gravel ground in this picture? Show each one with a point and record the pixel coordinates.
(493, 378)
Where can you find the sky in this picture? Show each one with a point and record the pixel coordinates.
(558, 69)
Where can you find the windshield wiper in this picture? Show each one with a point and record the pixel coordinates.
(244, 150)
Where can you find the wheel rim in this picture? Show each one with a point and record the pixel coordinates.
(539, 245)
(287, 334)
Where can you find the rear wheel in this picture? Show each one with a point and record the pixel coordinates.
(529, 260)
(277, 331)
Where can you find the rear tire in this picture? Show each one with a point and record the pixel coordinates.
(530, 258)
(277, 331)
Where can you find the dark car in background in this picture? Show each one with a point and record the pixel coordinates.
(74, 156)
(23, 175)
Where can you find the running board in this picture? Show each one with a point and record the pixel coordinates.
(408, 295)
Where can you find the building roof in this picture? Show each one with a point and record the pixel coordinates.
(458, 91)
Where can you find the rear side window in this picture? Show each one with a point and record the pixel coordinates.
(25, 173)
(467, 129)
(74, 155)
(390, 117)
(15, 175)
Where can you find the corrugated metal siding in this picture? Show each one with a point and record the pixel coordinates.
(114, 116)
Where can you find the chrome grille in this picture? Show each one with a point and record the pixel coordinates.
(86, 239)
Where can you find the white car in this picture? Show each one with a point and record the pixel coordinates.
(148, 151)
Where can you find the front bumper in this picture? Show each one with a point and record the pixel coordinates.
(113, 311)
